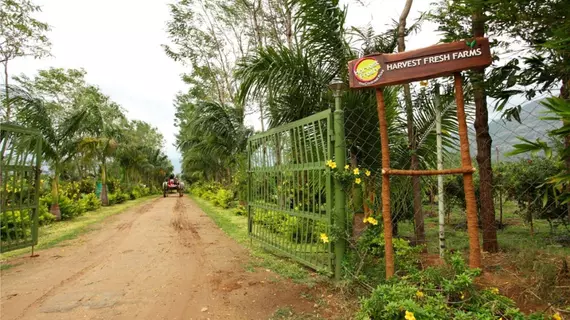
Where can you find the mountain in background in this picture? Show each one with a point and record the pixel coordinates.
(504, 133)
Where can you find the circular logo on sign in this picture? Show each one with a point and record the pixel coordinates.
(367, 70)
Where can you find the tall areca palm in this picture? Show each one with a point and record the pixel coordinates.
(104, 121)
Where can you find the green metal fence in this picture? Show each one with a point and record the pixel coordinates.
(20, 186)
(290, 194)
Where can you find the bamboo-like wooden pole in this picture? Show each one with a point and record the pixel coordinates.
(398, 172)
(386, 216)
(471, 205)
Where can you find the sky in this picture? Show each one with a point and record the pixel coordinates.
(118, 43)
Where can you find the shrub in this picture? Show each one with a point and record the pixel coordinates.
(87, 186)
(134, 194)
(223, 198)
(91, 202)
(120, 197)
(69, 209)
(442, 293)
(112, 199)
(240, 211)
(44, 216)
(14, 224)
(113, 185)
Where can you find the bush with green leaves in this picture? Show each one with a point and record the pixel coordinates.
(223, 198)
(87, 185)
(14, 224)
(439, 293)
(44, 216)
(526, 182)
(91, 202)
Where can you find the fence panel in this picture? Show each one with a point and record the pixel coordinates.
(290, 194)
(20, 185)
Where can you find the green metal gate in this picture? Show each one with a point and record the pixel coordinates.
(290, 193)
(20, 155)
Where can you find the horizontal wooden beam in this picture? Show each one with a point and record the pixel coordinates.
(397, 172)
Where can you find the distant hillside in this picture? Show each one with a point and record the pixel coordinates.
(505, 133)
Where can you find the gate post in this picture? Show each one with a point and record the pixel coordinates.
(336, 86)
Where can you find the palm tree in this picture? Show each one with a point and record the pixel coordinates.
(59, 134)
(294, 83)
(104, 122)
(211, 137)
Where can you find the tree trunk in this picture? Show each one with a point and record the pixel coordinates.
(288, 25)
(104, 196)
(54, 208)
(484, 142)
(416, 188)
(7, 98)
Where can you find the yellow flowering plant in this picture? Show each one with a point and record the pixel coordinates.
(348, 176)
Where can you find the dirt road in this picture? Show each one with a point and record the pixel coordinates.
(162, 260)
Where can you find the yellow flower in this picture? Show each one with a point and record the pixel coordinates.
(372, 221)
(347, 167)
(356, 171)
(419, 294)
(462, 296)
(324, 238)
(410, 315)
(557, 316)
(333, 165)
(367, 172)
(329, 163)
(495, 290)
(357, 181)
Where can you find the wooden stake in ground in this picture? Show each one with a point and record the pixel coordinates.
(386, 216)
(471, 205)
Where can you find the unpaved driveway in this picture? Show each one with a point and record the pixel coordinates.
(162, 260)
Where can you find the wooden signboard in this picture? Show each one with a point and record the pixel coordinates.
(381, 70)
(426, 63)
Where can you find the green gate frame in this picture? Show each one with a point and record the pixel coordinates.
(21, 159)
(290, 190)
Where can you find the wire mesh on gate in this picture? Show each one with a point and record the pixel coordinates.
(290, 194)
(524, 216)
(20, 155)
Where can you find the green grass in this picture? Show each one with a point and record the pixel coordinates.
(6, 266)
(55, 233)
(286, 313)
(512, 239)
(236, 227)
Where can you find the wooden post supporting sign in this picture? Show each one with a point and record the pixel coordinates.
(379, 70)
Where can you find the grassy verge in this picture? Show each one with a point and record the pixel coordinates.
(53, 234)
(236, 227)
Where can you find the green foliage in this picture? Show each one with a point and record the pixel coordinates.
(446, 292)
(526, 182)
(223, 198)
(240, 211)
(44, 216)
(214, 192)
(91, 202)
(15, 225)
(87, 185)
